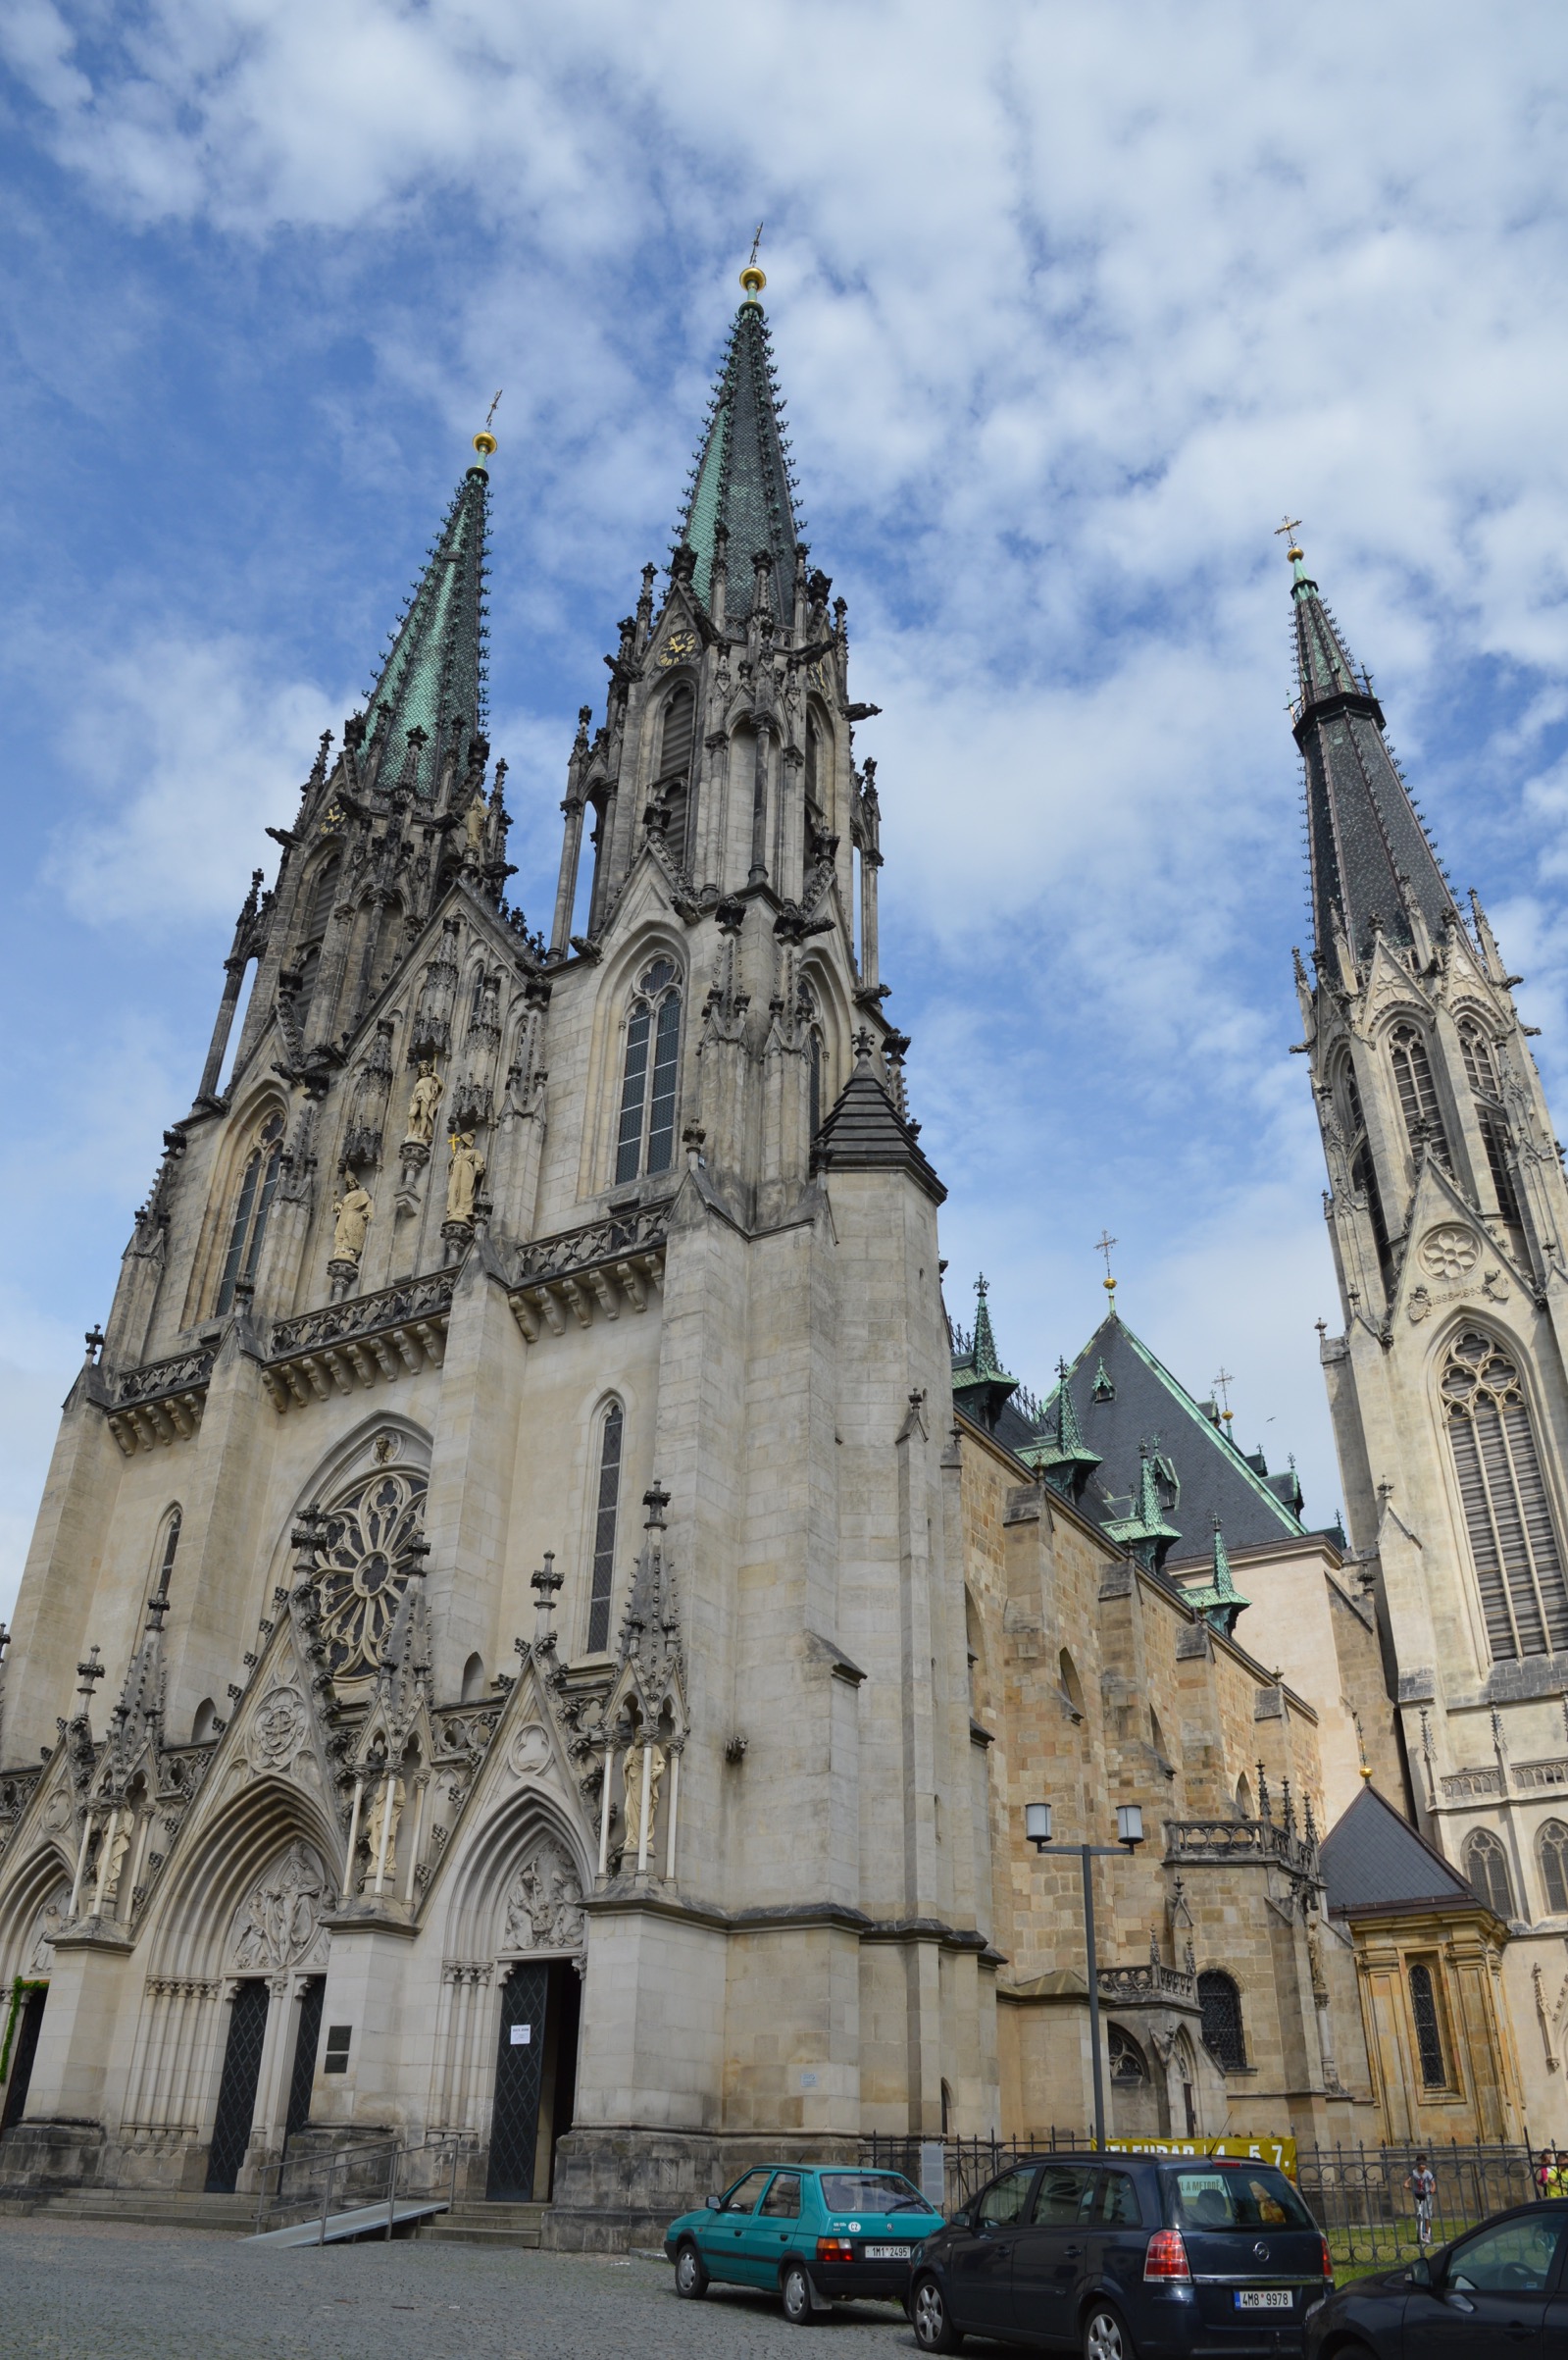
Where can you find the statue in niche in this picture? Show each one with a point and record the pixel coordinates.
(46, 1925)
(473, 827)
(119, 1845)
(634, 1793)
(385, 1812)
(463, 1176)
(353, 1213)
(427, 1095)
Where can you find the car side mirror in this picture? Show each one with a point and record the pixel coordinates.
(1419, 2272)
(715, 2204)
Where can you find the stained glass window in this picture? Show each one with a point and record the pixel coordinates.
(1514, 1541)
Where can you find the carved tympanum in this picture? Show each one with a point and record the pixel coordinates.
(279, 1918)
(544, 1906)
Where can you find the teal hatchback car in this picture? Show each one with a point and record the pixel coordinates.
(813, 2233)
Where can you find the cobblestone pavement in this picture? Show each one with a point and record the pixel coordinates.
(85, 2290)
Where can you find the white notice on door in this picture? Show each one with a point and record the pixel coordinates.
(522, 2035)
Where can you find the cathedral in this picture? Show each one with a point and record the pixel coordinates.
(541, 1630)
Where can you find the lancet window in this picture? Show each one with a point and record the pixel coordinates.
(677, 731)
(164, 1554)
(253, 1201)
(1552, 1847)
(1513, 1540)
(1480, 1072)
(1221, 2003)
(319, 902)
(1429, 2031)
(1486, 1866)
(1358, 1155)
(645, 1141)
(1418, 1091)
(606, 1516)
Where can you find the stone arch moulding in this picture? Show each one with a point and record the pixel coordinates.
(655, 937)
(37, 1883)
(1501, 1331)
(245, 1122)
(488, 1915)
(195, 1920)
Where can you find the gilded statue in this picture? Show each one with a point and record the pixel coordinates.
(353, 1212)
(463, 1176)
(428, 1092)
(634, 1793)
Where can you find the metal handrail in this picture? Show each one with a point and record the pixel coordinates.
(341, 2159)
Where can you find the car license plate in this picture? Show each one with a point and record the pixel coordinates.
(1264, 2299)
(886, 2253)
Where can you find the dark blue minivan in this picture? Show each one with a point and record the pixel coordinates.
(1161, 2257)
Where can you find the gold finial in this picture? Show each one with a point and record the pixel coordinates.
(1102, 1245)
(484, 441)
(1222, 1385)
(1290, 528)
(753, 279)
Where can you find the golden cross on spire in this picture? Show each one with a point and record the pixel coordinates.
(1222, 1386)
(489, 415)
(755, 243)
(485, 439)
(1290, 528)
(754, 277)
(1102, 1245)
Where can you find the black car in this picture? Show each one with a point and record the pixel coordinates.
(1132, 2257)
(1498, 2290)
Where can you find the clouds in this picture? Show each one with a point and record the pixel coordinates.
(1069, 304)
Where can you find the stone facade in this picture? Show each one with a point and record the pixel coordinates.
(447, 1791)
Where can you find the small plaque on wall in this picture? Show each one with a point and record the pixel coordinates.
(522, 2035)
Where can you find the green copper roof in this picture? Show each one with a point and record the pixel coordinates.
(1220, 1601)
(979, 1381)
(1145, 1532)
(742, 480)
(1060, 1447)
(434, 679)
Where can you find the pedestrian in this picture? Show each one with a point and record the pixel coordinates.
(1549, 2178)
(1423, 2185)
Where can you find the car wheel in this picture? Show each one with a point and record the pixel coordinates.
(797, 2300)
(1104, 2336)
(929, 2315)
(690, 2278)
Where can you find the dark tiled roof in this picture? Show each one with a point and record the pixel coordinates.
(865, 1132)
(1372, 1858)
(742, 482)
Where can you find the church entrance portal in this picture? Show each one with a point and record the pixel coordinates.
(236, 2094)
(305, 2046)
(24, 2048)
(536, 2077)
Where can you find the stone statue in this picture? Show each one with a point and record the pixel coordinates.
(353, 1212)
(474, 825)
(388, 1801)
(119, 1845)
(427, 1095)
(463, 1176)
(633, 1794)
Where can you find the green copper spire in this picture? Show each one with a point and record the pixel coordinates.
(741, 486)
(1219, 1602)
(1060, 1453)
(434, 679)
(1145, 1532)
(981, 1384)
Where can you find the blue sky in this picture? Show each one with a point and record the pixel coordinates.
(1070, 303)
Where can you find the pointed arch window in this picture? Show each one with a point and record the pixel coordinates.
(253, 1201)
(1513, 1540)
(1486, 1868)
(165, 1551)
(816, 1080)
(1480, 1072)
(1429, 2031)
(1551, 1844)
(606, 1518)
(645, 1142)
(1418, 1091)
(1221, 2003)
(323, 895)
(817, 766)
(1363, 1172)
(676, 735)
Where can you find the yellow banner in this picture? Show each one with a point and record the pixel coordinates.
(1280, 2152)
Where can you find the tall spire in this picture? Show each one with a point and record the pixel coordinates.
(434, 679)
(1368, 851)
(741, 486)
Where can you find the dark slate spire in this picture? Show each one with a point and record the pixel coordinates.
(1367, 848)
(741, 483)
(434, 679)
(865, 1131)
(981, 1384)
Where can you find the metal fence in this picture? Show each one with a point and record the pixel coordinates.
(1361, 2195)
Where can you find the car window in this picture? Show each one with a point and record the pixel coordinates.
(1117, 2205)
(783, 2200)
(1254, 2196)
(872, 2192)
(746, 2194)
(1063, 2195)
(1513, 2258)
(1004, 2200)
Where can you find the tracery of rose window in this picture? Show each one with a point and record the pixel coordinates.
(367, 1553)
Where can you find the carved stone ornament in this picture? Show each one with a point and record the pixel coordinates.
(46, 1926)
(277, 1923)
(1419, 1307)
(530, 1750)
(544, 1906)
(1449, 1252)
(363, 1566)
(277, 1731)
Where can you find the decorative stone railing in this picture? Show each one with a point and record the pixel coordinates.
(1530, 1776)
(1471, 1785)
(159, 1402)
(609, 1266)
(1148, 1986)
(358, 1342)
(1205, 1841)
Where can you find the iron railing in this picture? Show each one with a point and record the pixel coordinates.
(1367, 2208)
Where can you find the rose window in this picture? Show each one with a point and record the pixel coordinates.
(367, 1553)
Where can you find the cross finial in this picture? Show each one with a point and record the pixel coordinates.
(489, 415)
(1223, 1382)
(982, 1285)
(1102, 1245)
(1290, 528)
(751, 259)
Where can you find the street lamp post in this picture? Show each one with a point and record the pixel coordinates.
(1129, 1835)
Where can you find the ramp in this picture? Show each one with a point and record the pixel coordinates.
(364, 2220)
